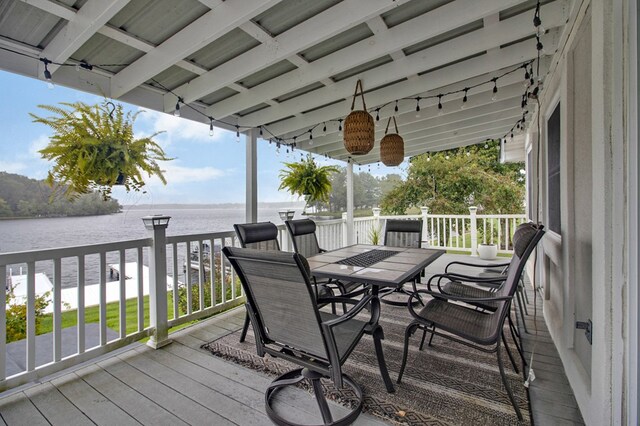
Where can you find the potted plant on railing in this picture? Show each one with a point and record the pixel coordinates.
(94, 148)
(307, 179)
(487, 242)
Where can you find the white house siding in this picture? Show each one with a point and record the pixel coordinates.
(582, 270)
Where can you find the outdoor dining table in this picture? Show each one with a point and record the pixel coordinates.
(376, 266)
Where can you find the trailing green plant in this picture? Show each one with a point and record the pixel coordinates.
(307, 179)
(94, 148)
(16, 315)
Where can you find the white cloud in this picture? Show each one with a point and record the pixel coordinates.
(178, 174)
(177, 128)
(12, 166)
(37, 144)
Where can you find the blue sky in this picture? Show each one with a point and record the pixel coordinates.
(205, 170)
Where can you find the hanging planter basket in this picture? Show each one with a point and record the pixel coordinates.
(359, 129)
(391, 146)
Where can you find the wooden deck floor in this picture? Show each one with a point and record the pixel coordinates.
(182, 384)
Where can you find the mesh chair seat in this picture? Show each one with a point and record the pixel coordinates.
(456, 288)
(475, 326)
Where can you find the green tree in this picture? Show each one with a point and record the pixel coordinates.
(448, 182)
(307, 179)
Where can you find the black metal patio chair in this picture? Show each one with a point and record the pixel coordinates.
(289, 325)
(305, 242)
(459, 321)
(261, 236)
(402, 233)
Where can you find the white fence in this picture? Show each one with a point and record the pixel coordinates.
(149, 291)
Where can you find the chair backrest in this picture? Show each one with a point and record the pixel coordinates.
(280, 299)
(403, 233)
(303, 235)
(261, 236)
(525, 239)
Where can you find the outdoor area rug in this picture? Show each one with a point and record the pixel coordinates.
(445, 384)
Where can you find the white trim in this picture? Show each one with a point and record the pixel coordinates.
(633, 297)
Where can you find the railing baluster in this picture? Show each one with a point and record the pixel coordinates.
(201, 273)
(139, 264)
(57, 312)
(175, 289)
(123, 293)
(103, 298)
(212, 269)
(31, 316)
(188, 276)
(223, 274)
(80, 310)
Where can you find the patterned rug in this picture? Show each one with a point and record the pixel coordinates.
(445, 384)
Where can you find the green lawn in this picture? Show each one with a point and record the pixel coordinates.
(92, 314)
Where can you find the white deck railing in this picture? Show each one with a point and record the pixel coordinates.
(148, 307)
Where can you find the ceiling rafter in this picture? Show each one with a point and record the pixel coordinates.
(413, 31)
(509, 56)
(320, 27)
(84, 24)
(212, 25)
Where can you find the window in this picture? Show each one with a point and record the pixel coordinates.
(553, 170)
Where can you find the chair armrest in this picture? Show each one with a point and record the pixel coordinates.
(362, 303)
(449, 297)
(455, 277)
(472, 278)
(475, 265)
(322, 250)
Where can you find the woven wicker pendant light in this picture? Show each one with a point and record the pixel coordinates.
(391, 146)
(359, 129)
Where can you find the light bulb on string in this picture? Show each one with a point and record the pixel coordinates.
(418, 107)
(310, 137)
(540, 46)
(377, 116)
(464, 98)
(176, 111)
(324, 129)
(210, 126)
(237, 134)
(468, 153)
(396, 107)
(261, 132)
(340, 125)
(446, 157)
(495, 89)
(428, 157)
(486, 146)
(440, 109)
(47, 74)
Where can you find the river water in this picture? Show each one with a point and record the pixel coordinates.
(32, 234)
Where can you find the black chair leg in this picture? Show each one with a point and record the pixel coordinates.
(407, 334)
(518, 345)
(432, 334)
(378, 336)
(245, 328)
(513, 361)
(519, 302)
(424, 334)
(322, 402)
(506, 384)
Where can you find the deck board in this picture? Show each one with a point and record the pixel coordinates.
(55, 406)
(17, 409)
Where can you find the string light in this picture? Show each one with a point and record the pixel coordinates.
(47, 73)
(324, 128)
(377, 116)
(237, 133)
(396, 107)
(340, 125)
(440, 110)
(495, 89)
(464, 98)
(210, 126)
(176, 112)
(418, 107)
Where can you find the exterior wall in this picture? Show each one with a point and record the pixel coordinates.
(583, 268)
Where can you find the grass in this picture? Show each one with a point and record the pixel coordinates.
(92, 314)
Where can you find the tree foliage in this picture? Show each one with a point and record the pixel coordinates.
(93, 148)
(307, 179)
(448, 182)
(16, 315)
(21, 196)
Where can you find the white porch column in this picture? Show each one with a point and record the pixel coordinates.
(424, 212)
(474, 231)
(350, 228)
(376, 223)
(251, 204)
(158, 317)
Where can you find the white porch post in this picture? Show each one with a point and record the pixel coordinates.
(158, 317)
(350, 239)
(251, 205)
(424, 211)
(474, 231)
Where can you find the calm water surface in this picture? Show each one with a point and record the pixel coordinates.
(32, 234)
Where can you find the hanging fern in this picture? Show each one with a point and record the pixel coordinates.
(94, 148)
(308, 180)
